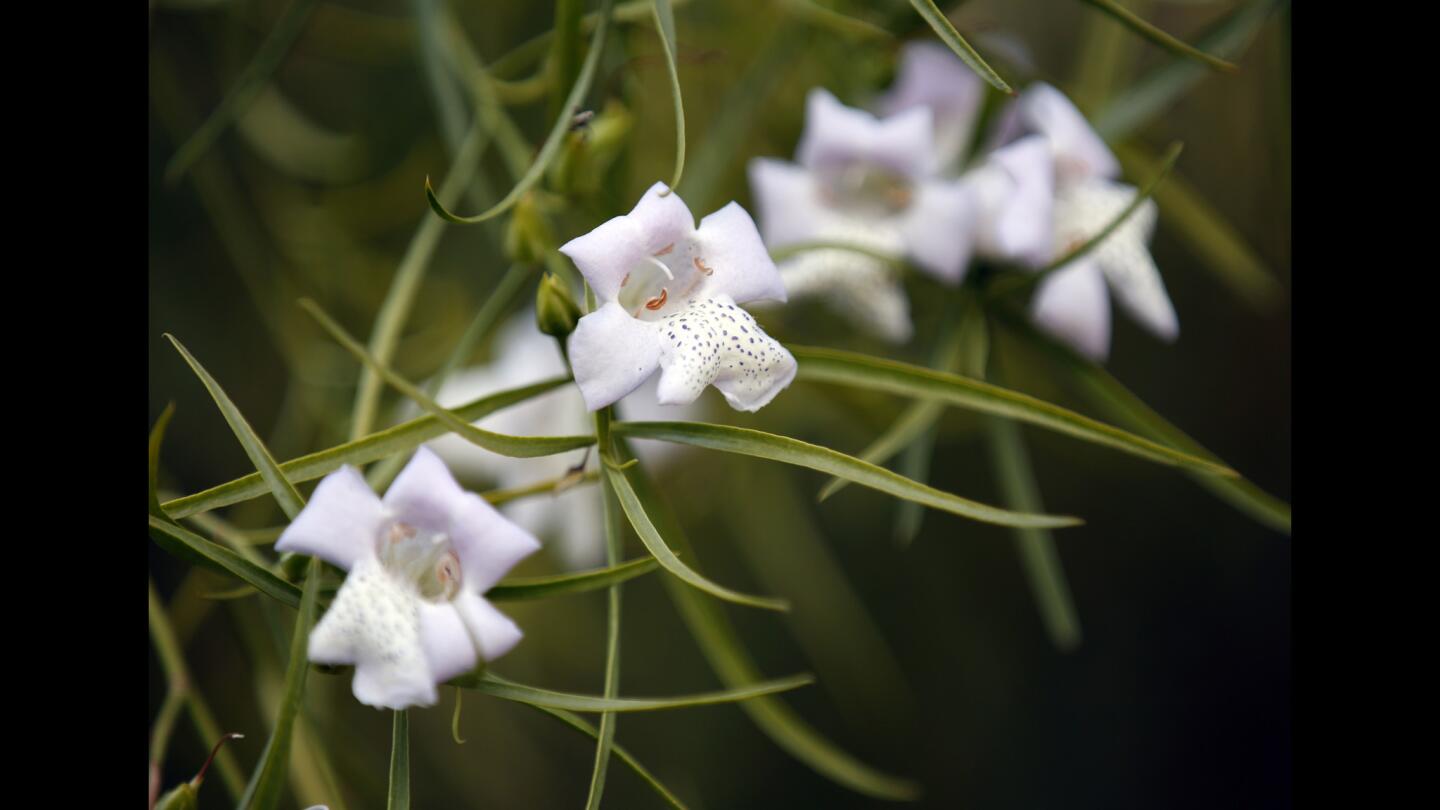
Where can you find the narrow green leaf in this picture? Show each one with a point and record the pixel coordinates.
(501, 443)
(662, 553)
(564, 65)
(267, 58)
(398, 439)
(268, 780)
(1024, 282)
(1178, 47)
(516, 589)
(835, 21)
(947, 33)
(495, 686)
(848, 368)
(575, 722)
(665, 24)
(187, 545)
(912, 423)
(614, 542)
(1108, 393)
(1152, 95)
(399, 794)
(803, 454)
(552, 143)
(721, 646)
(548, 486)
(285, 493)
(1211, 238)
(157, 437)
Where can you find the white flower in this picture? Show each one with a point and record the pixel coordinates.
(869, 182)
(1071, 302)
(930, 75)
(668, 295)
(411, 612)
(1080, 153)
(570, 522)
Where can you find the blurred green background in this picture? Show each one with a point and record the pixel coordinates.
(932, 660)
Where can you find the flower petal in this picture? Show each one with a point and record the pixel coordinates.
(488, 543)
(495, 632)
(1083, 210)
(1079, 151)
(447, 644)
(713, 341)
(729, 245)
(374, 624)
(930, 75)
(608, 253)
(425, 494)
(340, 523)
(938, 228)
(612, 353)
(836, 135)
(790, 207)
(570, 523)
(1072, 305)
(1016, 190)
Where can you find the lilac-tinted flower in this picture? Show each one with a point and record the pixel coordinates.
(1071, 303)
(869, 182)
(1080, 153)
(668, 296)
(411, 613)
(931, 76)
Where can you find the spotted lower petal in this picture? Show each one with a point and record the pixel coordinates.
(612, 354)
(714, 341)
(340, 522)
(1072, 305)
(374, 623)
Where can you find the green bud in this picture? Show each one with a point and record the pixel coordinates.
(590, 150)
(555, 311)
(529, 236)
(292, 565)
(183, 797)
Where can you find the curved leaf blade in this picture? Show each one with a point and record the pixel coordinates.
(268, 781)
(398, 439)
(912, 423)
(848, 368)
(552, 143)
(650, 536)
(157, 437)
(803, 454)
(285, 493)
(183, 543)
(1170, 43)
(947, 33)
(501, 443)
(398, 797)
(664, 15)
(495, 686)
(583, 727)
(516, 589)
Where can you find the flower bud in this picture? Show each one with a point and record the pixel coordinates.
(555, 311)
(590, 150)
(529, 235)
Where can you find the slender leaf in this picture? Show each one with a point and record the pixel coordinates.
(398, 797)
(157, 437)
(650, 536)
(848, 368)
(564, 65)
(1108, 393)
(501, 443)
(1178, 47)
(580, 725)
(515, 589)
(509, 65)
(733, 666)
(947, 33)
(803, 454)
(1157, 91)
(188, 545)
(665, 24)
(267, 58)
(268, 780)
(1211, 238)
(285, 493)
(912, 423)
(835, 21)
(398, 439)
(614, 542)
(495, 686)
(1027, 281)
(552, 143)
